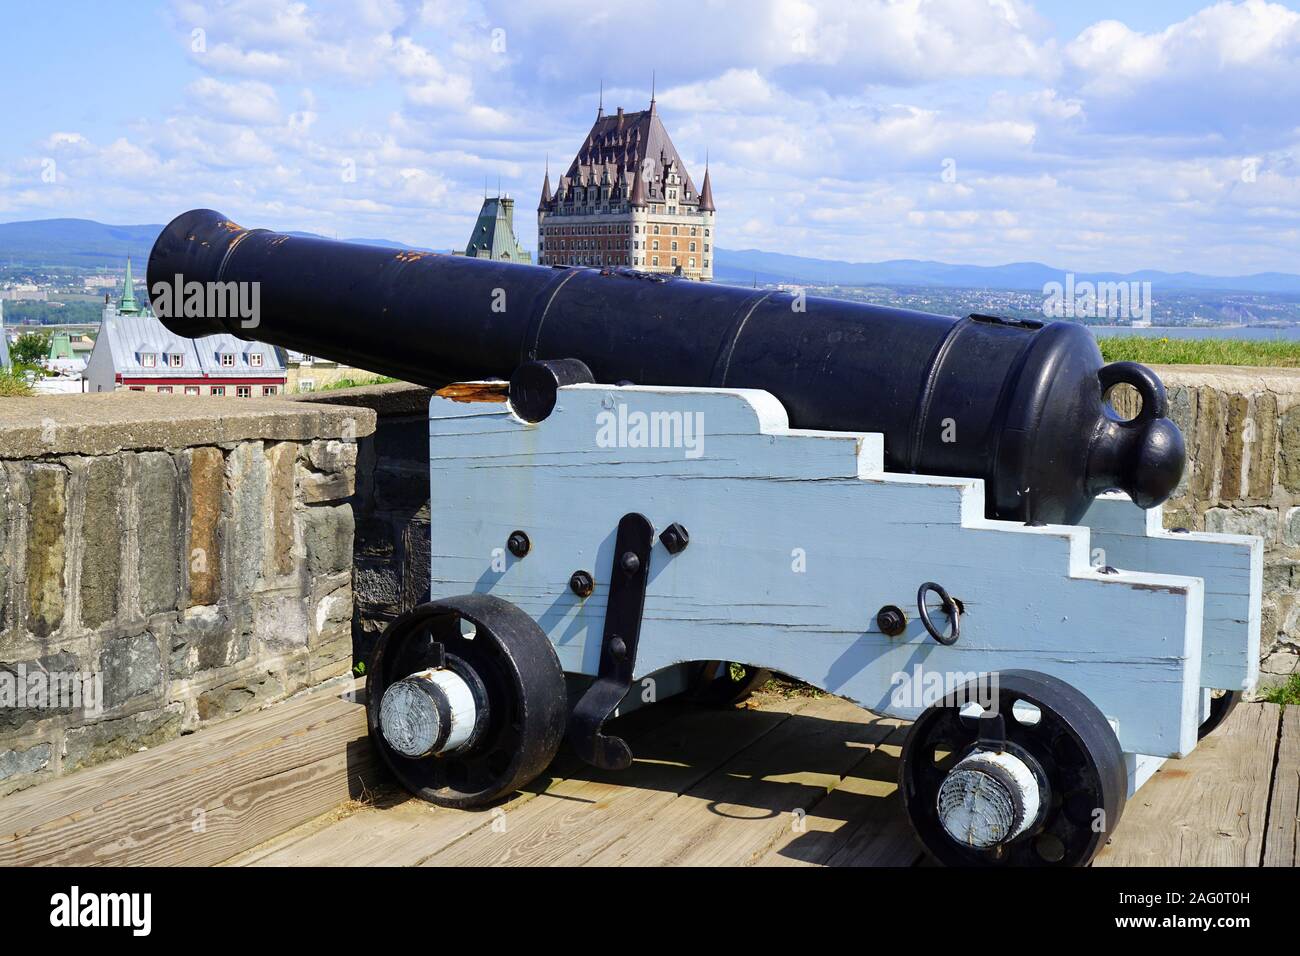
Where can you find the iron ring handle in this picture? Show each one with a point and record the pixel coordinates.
(1155, 404)
(950, 607)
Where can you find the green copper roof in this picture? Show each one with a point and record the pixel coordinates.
(494, 233)
(127, 306)
(61, 346)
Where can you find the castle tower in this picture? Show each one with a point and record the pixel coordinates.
(627, 199)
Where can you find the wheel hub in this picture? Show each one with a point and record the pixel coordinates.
(988, 799)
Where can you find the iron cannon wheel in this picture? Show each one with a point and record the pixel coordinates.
(1070, 746)
(1222, 703)
(725, 684)
(527, 707)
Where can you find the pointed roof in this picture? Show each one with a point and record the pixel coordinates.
(127, 306)
(494, 233)
(706, 194)
(637, 196)
(622, 145)
(546, 190)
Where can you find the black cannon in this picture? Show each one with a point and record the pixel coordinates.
(1020, 404)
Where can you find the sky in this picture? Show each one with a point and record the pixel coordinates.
(1091, 136)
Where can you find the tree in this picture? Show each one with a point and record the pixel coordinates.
(31, 348)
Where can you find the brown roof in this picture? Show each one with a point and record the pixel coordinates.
(619, 146)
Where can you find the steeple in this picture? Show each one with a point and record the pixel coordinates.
(546, 188)
(127, 305)
(652, 91)
(638, 191)
(600, 105)
(706, 193)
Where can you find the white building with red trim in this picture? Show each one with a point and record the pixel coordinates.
(136, 352)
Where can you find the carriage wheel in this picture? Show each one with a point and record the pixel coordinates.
(1037, 780)
(466, 700)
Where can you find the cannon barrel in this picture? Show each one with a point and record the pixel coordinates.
(1021, 404)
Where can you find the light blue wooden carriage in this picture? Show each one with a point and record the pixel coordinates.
(798, 538)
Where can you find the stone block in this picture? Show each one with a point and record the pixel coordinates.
(47, 508)
(209, 638)
(239, 695)
(132, 667)
(248, 480)
(327, 538)
(110, 739)
(24, 761)
(1262, 446)
(101, 539)
(1289, 449)
(1211, 409)
(41, 689)
(158, 500)
(281, 552)
(1260, 521)
(207, 472)
(281, 622)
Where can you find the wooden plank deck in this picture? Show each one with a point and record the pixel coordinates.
(798, 781)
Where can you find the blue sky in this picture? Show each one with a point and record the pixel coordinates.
(1102, 135)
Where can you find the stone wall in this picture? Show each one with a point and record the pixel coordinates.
(391, 504)
(162, 567)
(1242, 427)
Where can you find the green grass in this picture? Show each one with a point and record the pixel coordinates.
(1288, 693)
(355, 383)
(1150, 351)
(11, 386)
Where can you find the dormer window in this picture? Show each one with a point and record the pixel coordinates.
(255, 359)
(148, 359)
(227, 359)
(175, 359)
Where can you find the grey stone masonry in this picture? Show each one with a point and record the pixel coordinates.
(1242, 427)
(165, 562)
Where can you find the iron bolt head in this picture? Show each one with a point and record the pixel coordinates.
(582, 583)
(675, 538)
(629, 562)
(618, 648)
(518, 544)
(891, 620)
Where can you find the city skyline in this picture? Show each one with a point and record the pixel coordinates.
(1107, 139)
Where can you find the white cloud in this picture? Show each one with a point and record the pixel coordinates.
(246, 102)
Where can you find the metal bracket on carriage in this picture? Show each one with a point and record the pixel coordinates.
(627, 586)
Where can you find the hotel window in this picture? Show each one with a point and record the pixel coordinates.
(218, 390)
(674, 260)
(692, 247)
(175, 359)
(656, 261)
(692, 263)
(165, 389)
(191, 390)
(255, 359)
(227, 359)
(243, 391)
(269, 389)
(674, 245)
(656, 244)
(656, 229)
(674, 230)
(148, 359)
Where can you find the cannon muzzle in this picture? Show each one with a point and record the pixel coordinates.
(1021, 404)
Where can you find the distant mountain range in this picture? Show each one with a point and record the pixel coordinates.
(88, 244)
